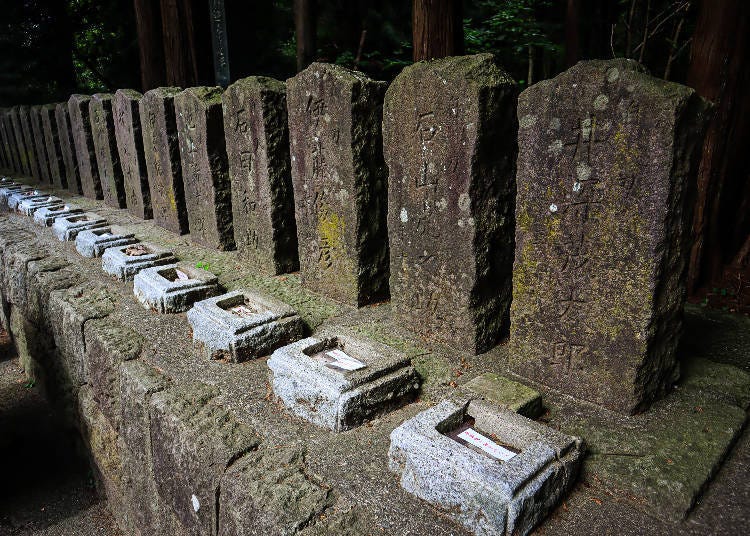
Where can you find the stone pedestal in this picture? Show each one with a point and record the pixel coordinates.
(46, 216)
(55, 158)
(15, 198)
(105, 145)
(493, 471)
(80, 128)
(128, 132)
(66, 228)
(208, 196)
(606, 158)
(67, 146)
(7, 191)
(95, 242)
(29, 206)
(340, 182)
(449, 132)
(255, 126)
(124, 262)
(342, 381)
(173, 288)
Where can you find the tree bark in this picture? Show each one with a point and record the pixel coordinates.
(305, 27)
(437, 28)
(150, 43)
(719, 72)
(179, 43)
(572, 33)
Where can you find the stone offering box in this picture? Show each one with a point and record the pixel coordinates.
(46, 216)
(66, 228)
(173, 288)
(15, 198)
(340, 382)
(31, 204)
(124, 262)
(242, 325)
(93, 242)
(489, 468)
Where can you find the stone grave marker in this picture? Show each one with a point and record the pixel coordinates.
(68, 148)
(449, 133)
(67, 227)
(124, 262)
(606, 157)
(242, 325)
(12, 143)
(173, 288)
(340, 182)
(80, 128)
(128, 132)
(55, 158)
(255, 126)
(492, 470)
(6, 149)
(94, 242)
(46, 216)
(341, 381)
(105, 145)
(40, 148)
(28, 143)
(24, 167)
(162, 155)
(205, 173)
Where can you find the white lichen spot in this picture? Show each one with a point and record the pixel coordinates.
(583, 171)
(527, 121)
(461, 223)
(554, 123)
(553, 208)
(613, 74)
(464, 202)
(404, 215)
(342, 196)
(441, 204)
(555, 148)
(294, 158)
(600, 102)
(586, 128)
(576, 186)
(196, 503)
(470, 221)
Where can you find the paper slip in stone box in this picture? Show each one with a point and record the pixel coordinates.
(340, 382)
(46, 216)
(492, 470)
(30, 205)
(242, 325)
(15, 198)
(124, 262)
(94, 242)
(66, 228)
(173, 288)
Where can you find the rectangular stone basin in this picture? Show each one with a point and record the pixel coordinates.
(124, 262)
(94, 242)
(66, 228)
(46, 216)
(173, 288)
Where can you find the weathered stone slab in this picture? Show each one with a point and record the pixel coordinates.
(7, 160)
(46, 216)
(506, 393)
(339, 178)
(449, 132)
(126, 110)
(173, 288)
(28, 143)
(105, 145)
(68, 148)
(342, 381)
(193, 440)
(507, 492)
(94, 242)
(242, 325)
(205, 173)
(40, 149)
(55, 158)
(124, 262)
(606, 159)
(80, 128)
(162, 153)
(24, 166)
(66, 228)
(15, 149)
(257, 138)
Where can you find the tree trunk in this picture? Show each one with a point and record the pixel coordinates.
(719, 72)
(572, 33)
(179, 43)
(437, 28)
(150, 44)
(305, 27)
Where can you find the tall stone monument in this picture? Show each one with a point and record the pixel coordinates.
(205, 173)
(40, 148)
(105, 145)
(17, 131)
(125, 108)
(80, 128)
(67, 146)
(449, 130)
(28, 143)
(55, 158)
(162, 153)
(340, 182)
(255, 126)
(606, 159)
(11, 140)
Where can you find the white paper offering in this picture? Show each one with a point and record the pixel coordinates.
(50, 199)
(105, 235)
(242, 310)
(476, 439)
(182, 276)
(343, 361)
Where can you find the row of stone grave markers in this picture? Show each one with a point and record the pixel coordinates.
(415, 190)
(491, 469)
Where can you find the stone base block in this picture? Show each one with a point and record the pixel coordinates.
(124, 262)
(66, 228)
(93, 242)
(7, 191)
(492, 470)
(173, 288)
(242, 325)
(506, 393)
(46, 216)
(339, 382)
(15, 198)
(31, 204)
